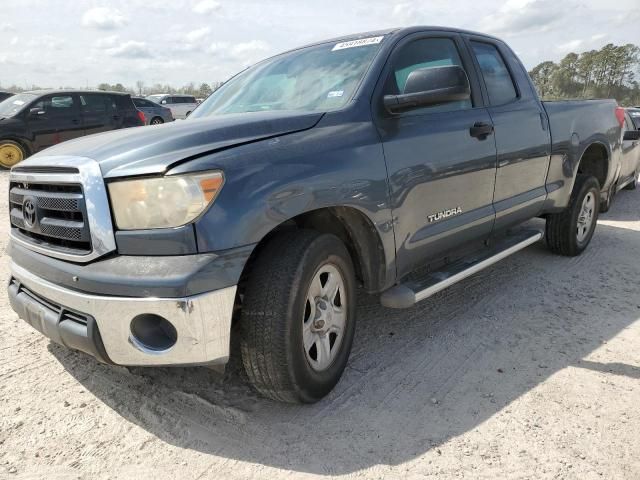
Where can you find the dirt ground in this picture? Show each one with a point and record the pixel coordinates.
(530, 369)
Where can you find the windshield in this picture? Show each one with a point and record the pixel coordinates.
(319, 78)
(12, 105)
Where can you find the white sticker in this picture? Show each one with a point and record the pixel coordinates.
(357, 43)
(335, 93)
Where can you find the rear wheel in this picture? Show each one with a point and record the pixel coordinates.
(570, 231)
(156, 121)
(298, 316)
(11, 153)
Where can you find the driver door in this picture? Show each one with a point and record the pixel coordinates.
(441, 172)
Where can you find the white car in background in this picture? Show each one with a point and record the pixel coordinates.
(181, 105)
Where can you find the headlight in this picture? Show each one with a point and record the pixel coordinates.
(163, 202)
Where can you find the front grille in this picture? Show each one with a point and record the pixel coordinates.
(50, 215)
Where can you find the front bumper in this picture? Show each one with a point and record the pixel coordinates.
(101, 325)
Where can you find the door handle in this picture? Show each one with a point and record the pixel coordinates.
(75, 121)
(481, 130)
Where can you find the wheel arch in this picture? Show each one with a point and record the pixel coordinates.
(350, 225)
(596, 160)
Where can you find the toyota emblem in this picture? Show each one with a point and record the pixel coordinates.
(29, 213)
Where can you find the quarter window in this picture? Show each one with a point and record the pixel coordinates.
(496, 76)
(424, 53)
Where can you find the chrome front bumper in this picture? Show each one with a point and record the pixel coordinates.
(202, 322)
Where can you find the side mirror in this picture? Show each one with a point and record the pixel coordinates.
(430, 86)
(163, 102)
(631, 135)
(36, 112)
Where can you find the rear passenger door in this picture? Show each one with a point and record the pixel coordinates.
(522, 134)
(441, 172)
(96, 113)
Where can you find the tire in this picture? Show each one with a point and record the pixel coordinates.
(187, 114)
(633, 185)
(156, 121)
(11, 153)
(564, 236)
(277, 319)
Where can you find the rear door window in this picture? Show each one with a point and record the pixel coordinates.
(142, 103)
(497, 79)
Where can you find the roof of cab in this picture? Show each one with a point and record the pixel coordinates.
(396, 32)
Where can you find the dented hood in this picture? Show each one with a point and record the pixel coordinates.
(155, 149)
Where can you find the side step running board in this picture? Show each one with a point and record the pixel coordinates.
(407, 294)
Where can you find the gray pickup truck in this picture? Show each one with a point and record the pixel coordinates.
(401, 161)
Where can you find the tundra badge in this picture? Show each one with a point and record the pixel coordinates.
(452, 212)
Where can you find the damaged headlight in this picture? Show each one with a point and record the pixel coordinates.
(163, 202)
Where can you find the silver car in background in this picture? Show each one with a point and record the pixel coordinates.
(154, 114)
(181, 105)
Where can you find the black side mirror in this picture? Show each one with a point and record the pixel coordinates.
(36, 112)
(631, 135)
(430, 86)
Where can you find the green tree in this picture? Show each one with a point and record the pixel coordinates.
(542, 76)
(608, 72)
(204, 90)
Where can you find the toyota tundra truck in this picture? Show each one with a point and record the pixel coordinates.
(397, 162)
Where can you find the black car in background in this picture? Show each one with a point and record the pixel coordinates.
(5, 95)
(33, 121)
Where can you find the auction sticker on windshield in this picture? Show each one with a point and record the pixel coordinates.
(357, 43)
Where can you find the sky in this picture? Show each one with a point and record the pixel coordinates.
(81, 43)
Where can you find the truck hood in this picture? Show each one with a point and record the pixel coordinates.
(156, 149)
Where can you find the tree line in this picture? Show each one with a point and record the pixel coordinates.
(199, 91)
(611, 72)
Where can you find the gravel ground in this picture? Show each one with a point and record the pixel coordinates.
(530, 369)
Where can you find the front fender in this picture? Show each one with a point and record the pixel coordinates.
(337, 163)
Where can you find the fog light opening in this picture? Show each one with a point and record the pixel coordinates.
(152, 333)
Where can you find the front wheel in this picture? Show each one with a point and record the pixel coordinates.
(569, 232)
(298, 316)
(11, 153)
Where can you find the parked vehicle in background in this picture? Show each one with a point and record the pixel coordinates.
(33, 121)
(634, 113)
(155, 114)
(401, 160)
(181, 105)
(630, 164)
(5, 95)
